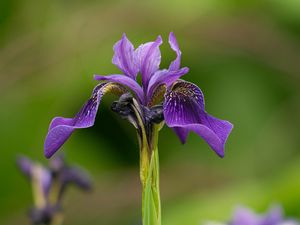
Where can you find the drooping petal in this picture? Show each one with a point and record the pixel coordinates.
(164, 77)
(124, 57)
(127, 81)
(148, 58)
(182, 133)
(183, 104)
(73, 176)
(61, 128)
(184, 109)
(208, 133)
(175, 65)
(78, 177)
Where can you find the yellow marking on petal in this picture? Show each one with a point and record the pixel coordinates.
(158, 95)
(114, 88)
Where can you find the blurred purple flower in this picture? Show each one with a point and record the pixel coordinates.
(274, 216)
(41, 175)
(49, 182)
(182, 102)
(67, 175)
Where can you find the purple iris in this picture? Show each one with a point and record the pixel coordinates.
(162, 95)
(49, 185)
(36, 172)
(274, 216)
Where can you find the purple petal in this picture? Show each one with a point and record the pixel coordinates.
(169, 76)
(61, 128)
(184, 108)
(207, 133)
(127, 81)
(175, 65)
(124, 57)
(244, 216)
(148, 59)
(39, 174)
(274, 216)
(182, 133)
(183, 104)
(78, 177)
(164, 77)
(72, 175)
(25, 165)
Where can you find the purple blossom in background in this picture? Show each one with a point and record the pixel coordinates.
(162, 95)
(37, 173)
(49, 185)
(274, 216)
(245, 216)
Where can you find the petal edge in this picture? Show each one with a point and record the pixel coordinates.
(61, 128)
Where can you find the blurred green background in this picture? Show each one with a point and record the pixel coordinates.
(245, 56)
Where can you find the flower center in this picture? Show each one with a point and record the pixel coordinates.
(140, 116)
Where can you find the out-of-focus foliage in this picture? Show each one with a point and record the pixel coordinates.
(243, 54)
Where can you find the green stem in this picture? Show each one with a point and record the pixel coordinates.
(53, 199)
(151, 206)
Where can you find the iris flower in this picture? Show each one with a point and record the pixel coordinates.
(49, 185)
(160, 98)
(162, 95)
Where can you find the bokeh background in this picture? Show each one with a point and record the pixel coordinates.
(245, 56)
